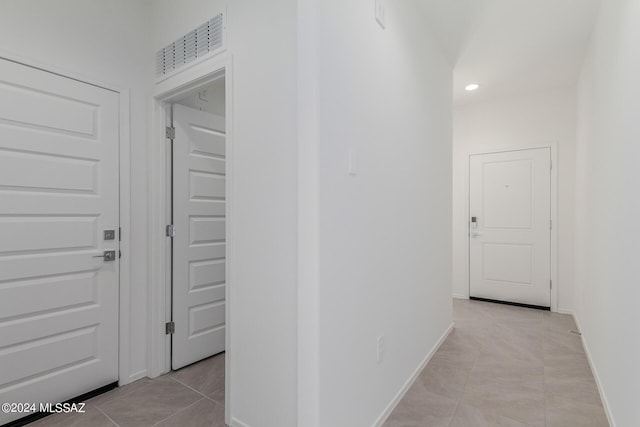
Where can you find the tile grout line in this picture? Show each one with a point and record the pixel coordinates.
(189, 387)
(466, 380)
(119, 397)
(105, 414)
(97, 406)
(464, 386)
(216, 402)
(177, 412)
(453, 416)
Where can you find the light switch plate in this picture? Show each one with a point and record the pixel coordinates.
(380, 13)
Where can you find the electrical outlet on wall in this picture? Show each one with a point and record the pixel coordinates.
(380, 15)
(380, 348)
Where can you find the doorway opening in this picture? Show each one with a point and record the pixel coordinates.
(198, 224)
(191, 240)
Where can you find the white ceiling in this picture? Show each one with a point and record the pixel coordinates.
(511, 47)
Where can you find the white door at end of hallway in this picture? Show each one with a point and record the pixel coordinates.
(59, 194)
(510, 226)
(199, 244)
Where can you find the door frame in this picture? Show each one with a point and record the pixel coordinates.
(124, 174)
(165, 92)
(553, 253)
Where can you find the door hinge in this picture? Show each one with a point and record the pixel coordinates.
(170, 230)
(120, 234)
(550, 284)
(170, 132)
(169, 328)
(550, 224)
(551, 165)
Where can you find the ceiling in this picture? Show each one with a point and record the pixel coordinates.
(511, 47)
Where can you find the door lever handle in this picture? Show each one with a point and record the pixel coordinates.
(107, 256)
(475, 235)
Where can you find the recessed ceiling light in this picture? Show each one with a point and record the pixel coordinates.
(472, 87)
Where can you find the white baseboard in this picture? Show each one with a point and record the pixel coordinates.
(135, 377)
(237, 423)
(603, 396)
(565, 311)
(396, 399)
(460, 296)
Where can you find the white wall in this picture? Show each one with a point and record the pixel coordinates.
(608, 203)
(396, 113)
(108, 42)
(384, 234)
(514, 123)
(262, 40)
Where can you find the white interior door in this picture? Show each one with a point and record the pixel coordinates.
(199, 283)
(510, 226)
(58, 193)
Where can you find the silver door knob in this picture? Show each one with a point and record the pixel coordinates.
(476, 235)
(107, 256)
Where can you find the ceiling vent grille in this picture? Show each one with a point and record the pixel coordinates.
(207, 38)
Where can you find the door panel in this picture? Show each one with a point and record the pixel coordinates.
(510, 241)
(508, 263)
(199, 284)
(508, 206)
(58, 192)
(31, 171)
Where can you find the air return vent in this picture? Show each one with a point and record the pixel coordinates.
(207, 38)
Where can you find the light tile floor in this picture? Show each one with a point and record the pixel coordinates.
(504, 366)
(190, 397)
